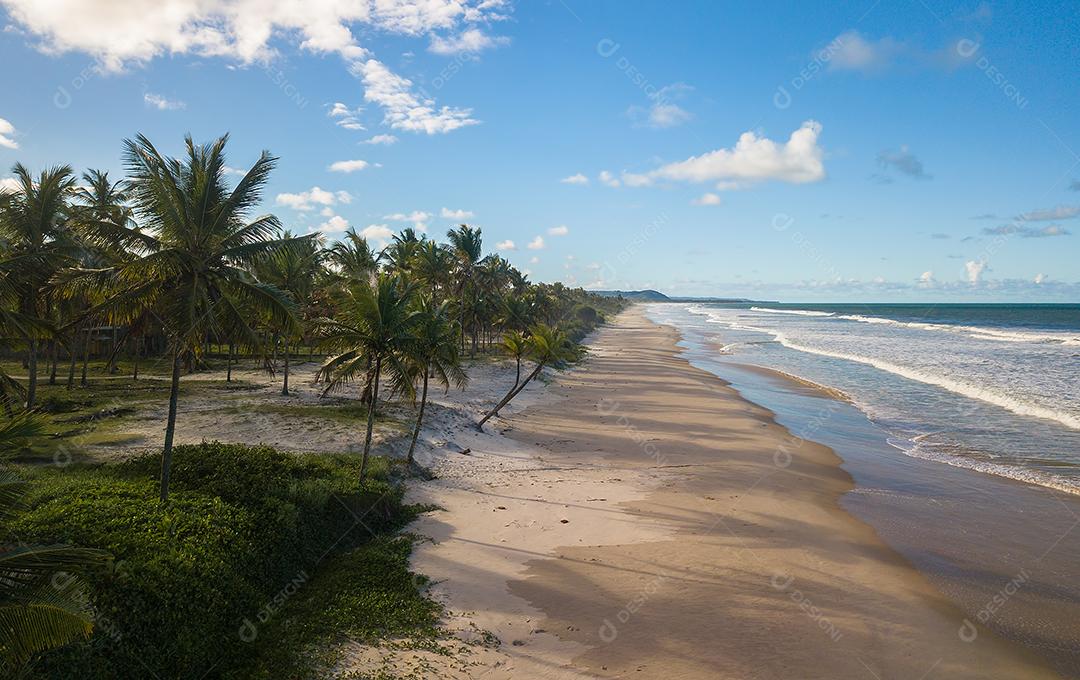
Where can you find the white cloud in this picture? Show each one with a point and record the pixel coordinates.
(414, 216)
(471, 40)
(307, 200)
(118, 34)
(6, 132)
(536, 244)
(449, 214)
(561, 230)
(9, 184)
(345, 117)
(380, 233)
(1061, 212)
(608, 179)
(404, 110)
(663, 112)
(707, 199)
(754, 159)
(381, 139)
(850, 51)
(575, 179)
(335, 224)
(161, 103)
(926, 279)
(534, 260)
(974, 270)
(505, 245)
(1040, 278)
(348, 166)
(327, 212)
(236, 172)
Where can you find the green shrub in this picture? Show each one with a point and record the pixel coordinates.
(242, 523)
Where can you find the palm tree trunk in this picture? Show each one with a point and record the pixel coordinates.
(370, 419)
(419, 420)
(138, 346)
(86, 356)
(509, 395)
(53, 351)
(285, 385)
(228, 364)
(74, 361)
(31, 389)
(170, 428)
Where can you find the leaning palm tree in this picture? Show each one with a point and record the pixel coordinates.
(43, 603)
(372, 332)
(197, 248)
(433, 353)
(36, 225)
(547, 346)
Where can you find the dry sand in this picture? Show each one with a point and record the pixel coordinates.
(637, 518)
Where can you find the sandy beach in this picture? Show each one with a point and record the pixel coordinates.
(638, 518)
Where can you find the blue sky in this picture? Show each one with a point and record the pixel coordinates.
(864, 151)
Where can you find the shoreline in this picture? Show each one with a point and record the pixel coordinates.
(685, 547)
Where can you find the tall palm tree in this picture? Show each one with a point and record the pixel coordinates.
(351, 258)
(36, 225)
(295, 271)
(372, 331)
(467, 245)
(547, 346)
(401, 251)
(433, 353)
(432, 267)
(197, 248)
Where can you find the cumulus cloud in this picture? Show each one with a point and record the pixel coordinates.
(505, 245)
(536, 244)
(753, 159)
(449, 214)
(850, 51)
(9, 184)
(137, 31)
(336, 224)
(468, 41)
(974, 270)
(345, 117)
(575, 179)
(418, 218)
(707, 199)
(1061, 212)
(561, 230)
(926, 279)
(385, 140)
(1039, 279)
(7, 130)
(403, 109)
(161, 103)
(902, 161)
(1027, 232)
(308, 200)
(348, 166)
(379, 233)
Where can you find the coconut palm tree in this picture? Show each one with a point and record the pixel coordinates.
(516, 345)
(372, 332)
(433, 353)
(432, 267)
(197, 248)
(401, 251)
(36, 225)
(351, 258)
(547, 346)
(295, 271)
(467, 245)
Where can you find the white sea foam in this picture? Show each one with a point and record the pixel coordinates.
(978, 332)
(1019, 473)
(798, 312)
(1014, 404)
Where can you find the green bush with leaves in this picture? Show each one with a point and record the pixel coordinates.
(243, 523)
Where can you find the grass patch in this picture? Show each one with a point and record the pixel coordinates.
(241, 525)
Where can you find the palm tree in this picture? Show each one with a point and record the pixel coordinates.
(351, 258)
(432, 266)
(372, 331)
(433, 353)
(197, 249)
(35, 223)
(547, 346)
(293, 270)
(516, 345)
(401, 251)
(467, 246)
(43, 603)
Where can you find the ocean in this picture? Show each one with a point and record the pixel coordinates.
(991, 387)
